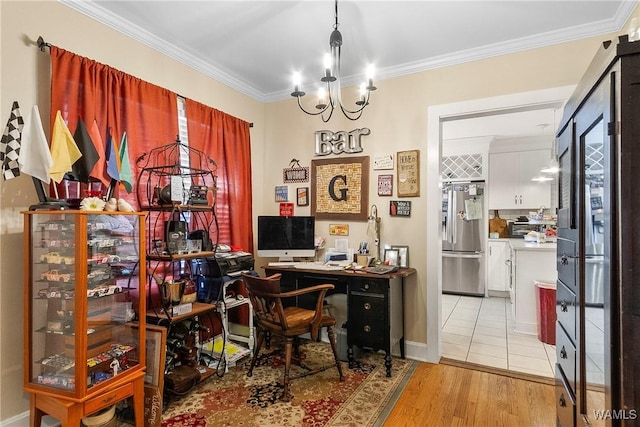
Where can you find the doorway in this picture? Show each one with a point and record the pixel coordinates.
(437, 115)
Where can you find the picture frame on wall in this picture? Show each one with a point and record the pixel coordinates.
(403, 255)
(282, 193)
(391, 257)
(408, 171)
(385, 185)
(303, 196)
(340, 188)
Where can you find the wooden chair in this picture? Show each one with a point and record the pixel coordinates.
(290, 322)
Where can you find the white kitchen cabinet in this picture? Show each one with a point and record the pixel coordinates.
(510, 184)
(532, 261)
(498, 265)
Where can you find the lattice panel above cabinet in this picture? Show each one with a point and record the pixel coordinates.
(465, 166)
(594, 158)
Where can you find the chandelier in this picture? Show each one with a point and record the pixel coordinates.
(329, 93)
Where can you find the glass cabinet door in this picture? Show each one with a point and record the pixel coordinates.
(83, 276)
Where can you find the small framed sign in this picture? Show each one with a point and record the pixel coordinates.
(303, 196)
(286, 209)
(399, 208)
(295, 175)
(282, 193)
(385, 185)
(408, 173)
(339, 229)
(383, 162)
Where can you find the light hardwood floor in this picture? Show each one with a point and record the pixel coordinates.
(442, 395)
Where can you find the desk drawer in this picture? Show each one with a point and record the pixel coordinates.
(566, 302)
(566, 262)
(367, 285)
(565, 402)
(566, 357)
(367, 332)
(368, 305)
(108, 398)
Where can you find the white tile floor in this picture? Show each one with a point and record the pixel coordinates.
(480, 330)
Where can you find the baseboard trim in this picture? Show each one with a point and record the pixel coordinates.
(498, 371)
(22, 420)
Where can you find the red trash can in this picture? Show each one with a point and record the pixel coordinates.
(546, 311)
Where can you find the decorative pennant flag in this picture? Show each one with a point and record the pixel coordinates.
(35, 158)
(82, 169)
(10, 143)
(112, 157)
(64, 150)
(126, 177)
(99, 170)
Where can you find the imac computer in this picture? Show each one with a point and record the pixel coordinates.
(286, 237)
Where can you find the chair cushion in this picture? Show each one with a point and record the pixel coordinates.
(297, 318)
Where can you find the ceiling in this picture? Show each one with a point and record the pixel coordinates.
(255, 46)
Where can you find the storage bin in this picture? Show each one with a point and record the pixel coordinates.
(546, 311)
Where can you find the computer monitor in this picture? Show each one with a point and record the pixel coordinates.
(286, 237)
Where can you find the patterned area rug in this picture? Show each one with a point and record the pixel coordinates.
(364, 398)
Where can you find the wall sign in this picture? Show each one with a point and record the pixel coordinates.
(340, 188)
(286, 209)
(282, 193)
(383, 162)
(408, 173)
(328, 142)
(303, 196)
(339, 229)
(295, 175)
(399, 208)
(385, 185)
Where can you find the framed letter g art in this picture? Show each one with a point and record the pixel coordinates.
(340, 188)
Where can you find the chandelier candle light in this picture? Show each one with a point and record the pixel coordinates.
(331, 84)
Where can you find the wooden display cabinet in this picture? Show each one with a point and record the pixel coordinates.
(83, 292)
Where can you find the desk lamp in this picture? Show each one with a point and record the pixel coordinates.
(373, 230)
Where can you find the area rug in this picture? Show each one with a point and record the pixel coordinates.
(364, 398)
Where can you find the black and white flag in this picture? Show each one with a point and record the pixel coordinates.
(10, 144)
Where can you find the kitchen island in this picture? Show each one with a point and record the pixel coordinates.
(531, 262)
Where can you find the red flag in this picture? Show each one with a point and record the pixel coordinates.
(98, 170)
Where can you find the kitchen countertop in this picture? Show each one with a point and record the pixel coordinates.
(522, 245)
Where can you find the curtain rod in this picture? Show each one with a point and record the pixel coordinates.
(42, 45)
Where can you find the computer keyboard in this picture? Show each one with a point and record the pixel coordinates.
(282, 264)
(317, 266)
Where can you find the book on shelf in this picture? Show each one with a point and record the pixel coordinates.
(234, 351)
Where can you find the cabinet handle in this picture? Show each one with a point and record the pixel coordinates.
(562, 401)
(367, 306)
(521, 199)
(367, 328)
(366, 286)
(515, 200)
(563, 306)
(563, 353)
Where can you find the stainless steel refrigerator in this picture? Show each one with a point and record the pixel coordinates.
(463, 231)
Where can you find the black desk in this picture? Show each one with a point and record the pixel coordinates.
(375, 305)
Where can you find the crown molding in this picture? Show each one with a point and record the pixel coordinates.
(606, 26)
(94, 11)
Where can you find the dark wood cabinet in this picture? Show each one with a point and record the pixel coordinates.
(597, 299)
(375, 313)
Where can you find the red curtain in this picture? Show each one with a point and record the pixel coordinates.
(226, 139)
(82, 87)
